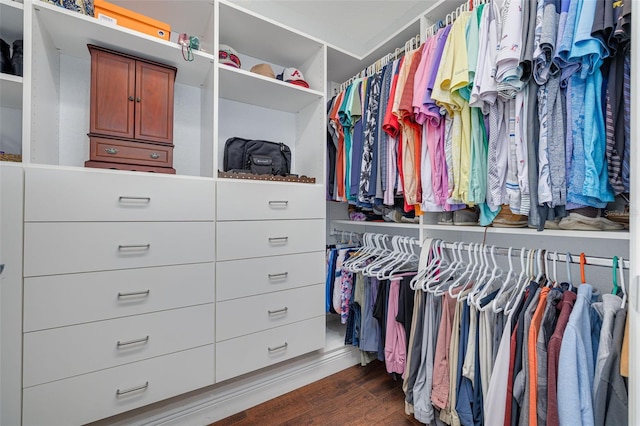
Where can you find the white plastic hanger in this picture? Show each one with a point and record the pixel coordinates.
(438, 263)
(439, 281)
(523, 280)
(507, 284)
(622, 284)
(440, 278)
(467, 274)
(496, 273)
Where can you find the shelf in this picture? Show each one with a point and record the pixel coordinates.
(528, 232)
(255, 89)
(262, 38)
(362, 223)
(10, 91)
(11, 21)
(71, 32)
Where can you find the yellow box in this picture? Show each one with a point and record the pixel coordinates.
(119, 15)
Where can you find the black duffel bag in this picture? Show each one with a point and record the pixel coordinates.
(256, 156)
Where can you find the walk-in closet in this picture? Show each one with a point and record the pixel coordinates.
(208, 204)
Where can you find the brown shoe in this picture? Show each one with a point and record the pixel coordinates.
(507, 219)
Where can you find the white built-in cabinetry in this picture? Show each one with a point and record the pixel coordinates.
(134, 291)
(277, 251)
(11, 212)
(118, 291)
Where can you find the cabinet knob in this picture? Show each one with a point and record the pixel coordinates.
(111, 151)
(131, 98)
(138, 99)
(154, 155)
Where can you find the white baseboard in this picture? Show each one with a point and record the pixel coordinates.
(208, 405)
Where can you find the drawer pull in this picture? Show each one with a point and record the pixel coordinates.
(276, 348)
(278, 311)
(275, 203)
(127, 198)
(134, 247)
(111, 151)
(134, 293)
(137, 388)
(278, 239)
(1, 267)
(154, 155)
(277, 276)
(132, 342)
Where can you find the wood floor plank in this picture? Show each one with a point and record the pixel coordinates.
(355, 396)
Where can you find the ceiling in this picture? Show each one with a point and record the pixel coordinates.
(358, 32)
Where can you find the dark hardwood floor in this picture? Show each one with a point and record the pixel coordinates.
(356, 396)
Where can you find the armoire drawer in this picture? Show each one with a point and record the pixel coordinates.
(130, 152)
(83, 194)
(269, 200)
(267, 311)
(89, 397)
(247, 353)
(64, 352)
(68, 247)
(61, 300)
(241, 240)
(248, 277)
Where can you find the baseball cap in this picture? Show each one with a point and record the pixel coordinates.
(228, 56)
(263, 69)
(293, 76)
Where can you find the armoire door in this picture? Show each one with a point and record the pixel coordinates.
(112, 94)
(154, 103)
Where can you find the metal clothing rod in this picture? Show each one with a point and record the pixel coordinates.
(549, 255)
(411, 44)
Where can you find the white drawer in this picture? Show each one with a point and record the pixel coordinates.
(241, 200)
(265, 311)
(61, 248)
(241, 240)
(248, 277)
(60, 300)
(70, 351)
(94, 396)
(68, 194)
(243, 354)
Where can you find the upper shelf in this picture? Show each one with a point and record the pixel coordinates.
(10, 91)
(262, 38)
(255, 89)
(71, 32)
(11, 22)
(564, 233)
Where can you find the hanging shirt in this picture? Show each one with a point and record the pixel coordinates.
(576, 364)
(565, 307)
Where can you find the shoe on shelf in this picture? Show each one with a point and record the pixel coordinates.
(406, 219)
(445, 218)
(588, 219)
(393, 215)
(507, 219)
(468, 216)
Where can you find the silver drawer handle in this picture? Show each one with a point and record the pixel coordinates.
(1, 267)
(134, 293)
(127, 198)
(278, 311)
(281, 275)
(137, 388)
(283, 203)
(278, 239)
(132, 342)
(154, 155)
(134, 246)
(283, 346)
(111, 151)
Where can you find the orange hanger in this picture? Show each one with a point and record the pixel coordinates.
(583, 261)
